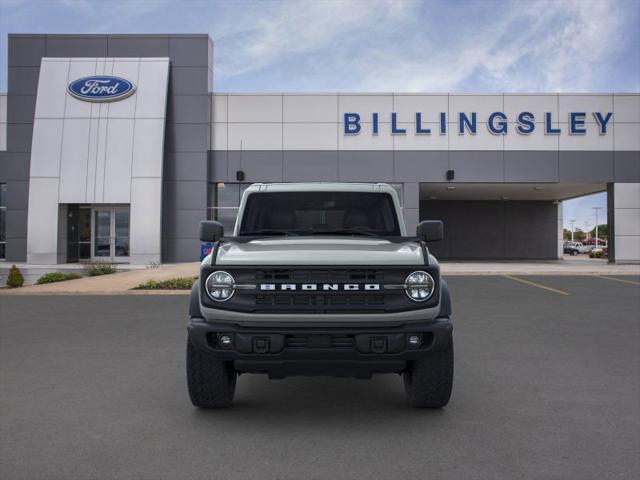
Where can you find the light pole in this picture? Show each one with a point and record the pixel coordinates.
(586, 231)
(572, 222)
(596, 210)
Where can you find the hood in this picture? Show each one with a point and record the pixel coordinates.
(320, 251)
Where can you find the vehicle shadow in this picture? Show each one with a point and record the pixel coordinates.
(319, 402)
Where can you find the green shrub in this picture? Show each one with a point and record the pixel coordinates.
(180, 283)
(52, 277)
(15, 278)
(96, 269)
(596, 254)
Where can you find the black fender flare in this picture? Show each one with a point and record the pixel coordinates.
(194, 300)
(445, 299)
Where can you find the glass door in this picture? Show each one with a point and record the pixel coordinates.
(84, 232)
(102, 234)
(78, 233)
(111, 234)
(120, 231)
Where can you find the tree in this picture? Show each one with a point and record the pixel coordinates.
(603, 231)
(578, 235)
(15, 278)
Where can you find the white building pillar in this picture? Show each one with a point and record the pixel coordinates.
(411, 206)
(42, 221)
(624, 222)
(146, 220)
(99, 154)
(560, 236)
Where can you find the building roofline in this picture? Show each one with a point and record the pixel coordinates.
(434, 94)
(106, 35)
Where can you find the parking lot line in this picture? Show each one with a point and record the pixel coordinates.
(618, 279)
(534, 284)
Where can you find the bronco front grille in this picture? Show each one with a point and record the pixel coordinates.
(311, 289)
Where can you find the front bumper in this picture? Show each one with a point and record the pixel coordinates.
(320, 350)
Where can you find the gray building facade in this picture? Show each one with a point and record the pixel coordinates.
(129, 180)
(186, 131)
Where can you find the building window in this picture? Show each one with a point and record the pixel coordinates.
(223, 203)
(3, 220)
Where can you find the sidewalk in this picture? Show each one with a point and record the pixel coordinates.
(124, 282)
(568, 266)
(113, 284)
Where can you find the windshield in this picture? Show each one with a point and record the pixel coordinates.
(318, 213)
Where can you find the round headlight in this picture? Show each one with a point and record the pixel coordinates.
(220, 286)
(419, 286)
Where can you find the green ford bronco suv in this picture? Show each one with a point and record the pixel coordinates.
(320, 279)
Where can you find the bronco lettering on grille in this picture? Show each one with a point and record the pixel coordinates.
(319, 286)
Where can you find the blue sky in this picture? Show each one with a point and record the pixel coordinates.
(370, 45)
(581, 210)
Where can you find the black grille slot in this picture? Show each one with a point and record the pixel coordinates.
(319, 341)
(302, 299)
(319, 276)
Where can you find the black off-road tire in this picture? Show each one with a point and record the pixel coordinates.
(428, 381)
(211, 382)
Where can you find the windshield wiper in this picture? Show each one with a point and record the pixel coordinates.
(350, 231)
(269, 231)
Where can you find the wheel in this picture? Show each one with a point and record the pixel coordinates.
(211, 382)
(428, 381)
(574, 253)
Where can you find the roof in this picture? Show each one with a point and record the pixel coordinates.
(321, 187)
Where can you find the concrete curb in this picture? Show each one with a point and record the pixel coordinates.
(121, 283)
(529, 273)
(19, 292)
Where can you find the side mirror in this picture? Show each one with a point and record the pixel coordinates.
(211, 231)
(430, 231)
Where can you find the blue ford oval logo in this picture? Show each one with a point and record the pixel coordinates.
(101, 88)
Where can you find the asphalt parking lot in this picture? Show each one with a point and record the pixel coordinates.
(547, 385)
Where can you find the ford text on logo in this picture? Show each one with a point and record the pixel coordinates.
(497, 123)
(102, 88)
(326, 287)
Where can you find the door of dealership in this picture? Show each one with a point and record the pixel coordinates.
(98, 233)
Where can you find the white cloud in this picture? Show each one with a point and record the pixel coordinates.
(377, 45)
(560, 46)
(556, 52)
(111, 15)
(291, 29)
(532, 46)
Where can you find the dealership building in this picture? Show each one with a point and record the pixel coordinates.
(114, 147)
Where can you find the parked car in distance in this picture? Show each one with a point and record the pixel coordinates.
(592, 241)
(573, 248)
(585, 248)
(576, 248)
